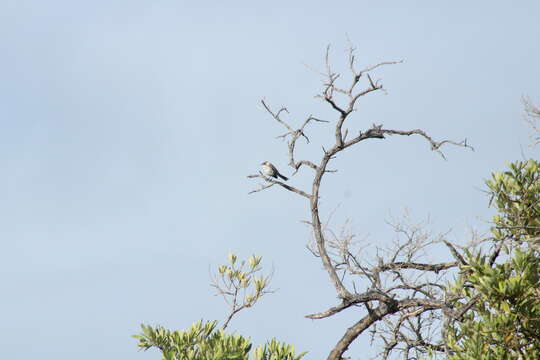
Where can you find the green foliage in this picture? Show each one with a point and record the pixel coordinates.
(275, 350)
(241, 287)
(516, 195)
(504, 322)
(199, 342)
(202, 341)
(239, 282)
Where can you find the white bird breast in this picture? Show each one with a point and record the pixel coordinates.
(268, 170)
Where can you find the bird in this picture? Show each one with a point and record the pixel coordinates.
(270, 170)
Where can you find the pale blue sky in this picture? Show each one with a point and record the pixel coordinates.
(127, 129)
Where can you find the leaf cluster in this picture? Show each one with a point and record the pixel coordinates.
(199, 342)
(203, 341)
(504, 321)
(241, 286)
(516, 196)
(239, 283)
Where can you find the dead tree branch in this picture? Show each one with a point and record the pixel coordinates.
(271, 182)
(294, 135)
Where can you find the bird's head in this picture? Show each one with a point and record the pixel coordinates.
(264, 163)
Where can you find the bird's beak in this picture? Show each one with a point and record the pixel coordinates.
(262, 163)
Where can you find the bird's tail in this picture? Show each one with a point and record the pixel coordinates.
(283, 177)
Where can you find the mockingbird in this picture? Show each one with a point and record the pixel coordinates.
(270, 170)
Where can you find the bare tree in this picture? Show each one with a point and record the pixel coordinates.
(403, 301)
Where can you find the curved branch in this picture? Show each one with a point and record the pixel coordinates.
(363, 324)
(435, 146)
(332, 311)
(318, 229)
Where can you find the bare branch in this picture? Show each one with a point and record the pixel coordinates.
(495, 253)
(435, 146)
(363, 324)
(417, 266)
(276, 182)
(276, 115)
(332, 311)
(455, 253)
(383, 63)
(294, 135)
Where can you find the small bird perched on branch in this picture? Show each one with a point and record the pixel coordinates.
(270, 170)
